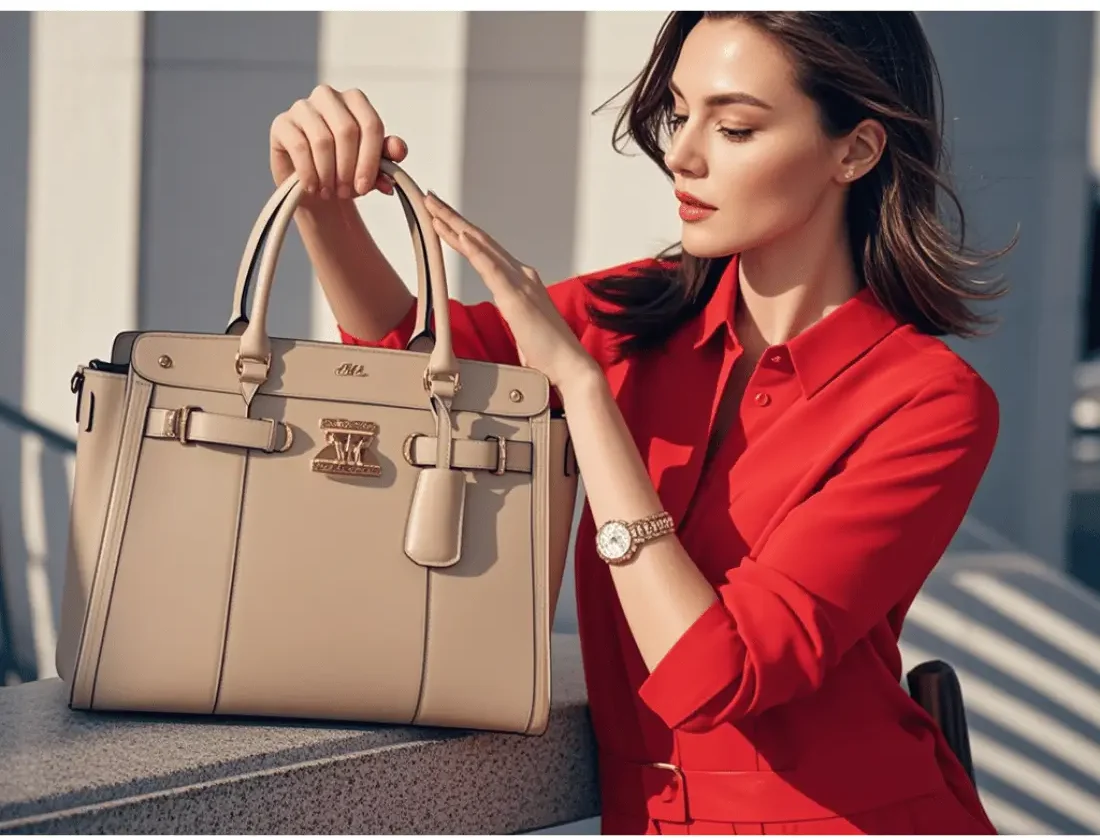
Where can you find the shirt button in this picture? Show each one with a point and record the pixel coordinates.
(763, 399)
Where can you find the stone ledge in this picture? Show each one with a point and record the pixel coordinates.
(75, 772)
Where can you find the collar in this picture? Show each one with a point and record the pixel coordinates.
(720, 309)
(819, 353)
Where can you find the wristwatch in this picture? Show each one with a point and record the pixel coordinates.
(618, 541)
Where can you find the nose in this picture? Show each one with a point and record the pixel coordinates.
(683, 156)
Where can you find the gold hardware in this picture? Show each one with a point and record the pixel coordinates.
(353, 370)
(288, 441)
(502, 454)
(349, 442)
(516, 396)
(165, 361)
(240, 359)
(407, 448)
(430, 376)
(177, 423)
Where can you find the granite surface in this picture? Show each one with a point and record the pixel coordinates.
(64, 771)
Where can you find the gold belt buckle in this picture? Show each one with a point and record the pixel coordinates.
(675, 789)
(502, 454)
(178, 422)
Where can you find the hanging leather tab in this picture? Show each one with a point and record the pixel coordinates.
(433, 531)
(433, 534)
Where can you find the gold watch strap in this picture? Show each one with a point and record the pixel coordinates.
(651, 527)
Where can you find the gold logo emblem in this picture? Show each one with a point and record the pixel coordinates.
(347, 448)
(353, 370)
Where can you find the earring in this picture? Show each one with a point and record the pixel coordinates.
(851, 174)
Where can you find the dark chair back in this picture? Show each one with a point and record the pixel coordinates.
(934, 685)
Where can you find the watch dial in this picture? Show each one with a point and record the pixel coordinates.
(613, 540)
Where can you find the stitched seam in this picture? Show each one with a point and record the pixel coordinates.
(235, 561)
(424, 653)
(540, 560)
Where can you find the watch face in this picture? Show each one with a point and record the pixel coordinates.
(613, 540)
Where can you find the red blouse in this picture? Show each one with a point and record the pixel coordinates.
(857, 449)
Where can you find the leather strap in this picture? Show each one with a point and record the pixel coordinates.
(472, 454)
(190, 424)
(238, 316)
(441, 375)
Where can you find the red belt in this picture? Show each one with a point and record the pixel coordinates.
(672, 793)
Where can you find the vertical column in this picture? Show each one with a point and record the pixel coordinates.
(411, 67)
(1033, 173)
(16, 638)
(81, 248)
(214, 83)
(625, 207)
(519, 169)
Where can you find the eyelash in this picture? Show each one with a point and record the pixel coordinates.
(736, 135)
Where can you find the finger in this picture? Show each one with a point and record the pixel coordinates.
(289, 136)
(396, 149)
(345, 132)
(439, 208)
(371, 135)
(322, 145)
(488, 265)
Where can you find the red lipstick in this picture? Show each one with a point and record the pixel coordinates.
(692, 208)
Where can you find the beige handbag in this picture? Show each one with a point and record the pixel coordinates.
(275, 527)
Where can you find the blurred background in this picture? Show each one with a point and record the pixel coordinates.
(134, 161)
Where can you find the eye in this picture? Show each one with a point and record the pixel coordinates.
(737, 135)
(675, 121)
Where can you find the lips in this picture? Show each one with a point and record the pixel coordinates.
(691, 201)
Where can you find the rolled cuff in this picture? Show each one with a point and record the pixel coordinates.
(706, 660)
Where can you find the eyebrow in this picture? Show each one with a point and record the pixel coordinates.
(716, 100)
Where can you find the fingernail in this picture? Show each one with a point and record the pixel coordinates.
(326, 193)
(344, 192)
(361, 186)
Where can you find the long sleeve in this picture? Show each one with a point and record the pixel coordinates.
(846, 558)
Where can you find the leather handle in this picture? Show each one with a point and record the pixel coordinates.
(254, 358)
(238, 316)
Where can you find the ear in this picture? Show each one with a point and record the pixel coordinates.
(860, 151)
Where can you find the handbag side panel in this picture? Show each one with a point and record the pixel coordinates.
(101, 405)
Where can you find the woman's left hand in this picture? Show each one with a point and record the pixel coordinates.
(543, 338)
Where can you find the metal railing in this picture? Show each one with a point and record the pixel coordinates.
(15, 418)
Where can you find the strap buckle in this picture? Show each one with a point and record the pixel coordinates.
(239, 361)
(178, 422)
(502, 454)
(451, 377)
(288, 436)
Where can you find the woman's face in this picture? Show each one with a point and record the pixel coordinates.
(746, 141)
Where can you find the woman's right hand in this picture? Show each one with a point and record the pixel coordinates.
(334, 141)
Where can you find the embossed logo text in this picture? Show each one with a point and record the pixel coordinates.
(347, 448)
(355, 370)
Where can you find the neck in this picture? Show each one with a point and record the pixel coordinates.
(790, 283)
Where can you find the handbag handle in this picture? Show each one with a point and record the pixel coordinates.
(238, 316)
(254, 358)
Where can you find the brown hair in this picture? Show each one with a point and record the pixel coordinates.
(855, 66)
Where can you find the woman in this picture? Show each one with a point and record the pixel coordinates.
(773, 396)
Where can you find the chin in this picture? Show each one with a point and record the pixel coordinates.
(696, 242)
